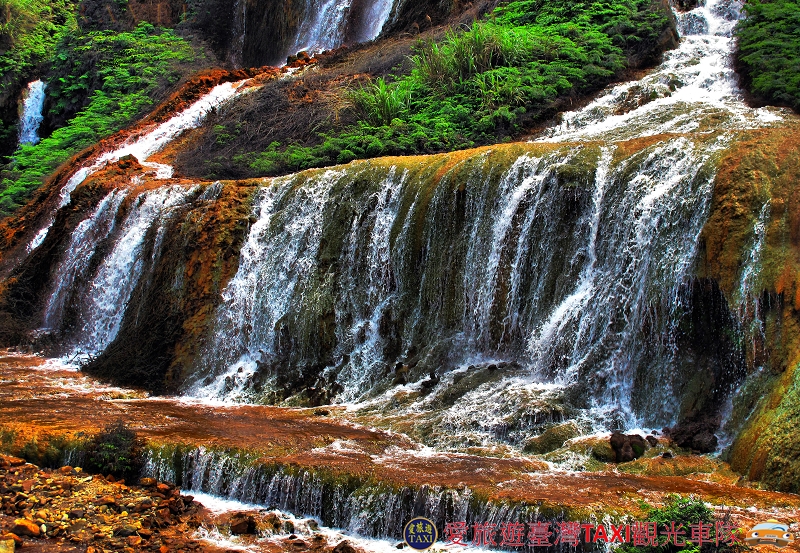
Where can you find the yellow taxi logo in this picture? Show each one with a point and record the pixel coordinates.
(770, 532)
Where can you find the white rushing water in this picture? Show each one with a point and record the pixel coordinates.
(327, 22)
(105, 299)
(147, 144)
(272, 269)
(695, 84)
(76, 259)
(32, 116)
(565, 266)
(569, 301)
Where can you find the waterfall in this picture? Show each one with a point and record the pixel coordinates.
(543, 281)
(75, 264)
(32, 117)
(559, 264)
(328, 22)
(568, 260)
(104, 303)
(362, 508)
(144, 145)
(103, 263)
(695, 89)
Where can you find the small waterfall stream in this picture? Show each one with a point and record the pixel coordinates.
(31, 116)
(364, 510)
(694, 89)
(143, 146)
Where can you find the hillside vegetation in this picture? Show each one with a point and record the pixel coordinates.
(100, 81)
(29, 32)
(478, 85)
(769, 51)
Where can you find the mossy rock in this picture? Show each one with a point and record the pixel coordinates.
(552, 438)
(597, 447)
(584, 453)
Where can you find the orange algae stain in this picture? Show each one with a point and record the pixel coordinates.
(763, 167)
(217, 232)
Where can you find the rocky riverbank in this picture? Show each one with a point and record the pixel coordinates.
(66, 510)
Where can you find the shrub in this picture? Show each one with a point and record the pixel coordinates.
(684, 511)
(117, 450)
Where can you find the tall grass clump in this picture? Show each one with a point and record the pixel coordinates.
(381, 102)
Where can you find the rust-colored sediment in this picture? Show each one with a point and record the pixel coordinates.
(763, 167)
(37, 400)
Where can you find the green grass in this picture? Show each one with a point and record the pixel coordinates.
(109, 79)
(769, 51)
(484, 84)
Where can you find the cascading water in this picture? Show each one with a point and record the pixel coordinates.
(82, 245)
(370, 511)
(577, 279)
(556, 274)
(104, 302)
(695, 89)
(550, 276)
(143, 146)
(330, 20)
(32, 116)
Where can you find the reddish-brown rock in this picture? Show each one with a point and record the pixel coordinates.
(24, 527)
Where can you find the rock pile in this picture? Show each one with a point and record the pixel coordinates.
(66, 507)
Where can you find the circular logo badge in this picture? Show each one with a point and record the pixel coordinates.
(420, 533)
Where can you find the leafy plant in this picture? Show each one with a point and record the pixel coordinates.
(117, 450)
(381, 102)
(683, 512)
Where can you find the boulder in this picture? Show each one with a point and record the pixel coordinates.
(242, 523)
(627, 447)
(695, 433)
(24, 527)
(124, 531)
(7, 545)
(344, 547)
(704, 442)
(552, 438)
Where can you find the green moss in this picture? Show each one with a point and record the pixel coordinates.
(552, 438)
